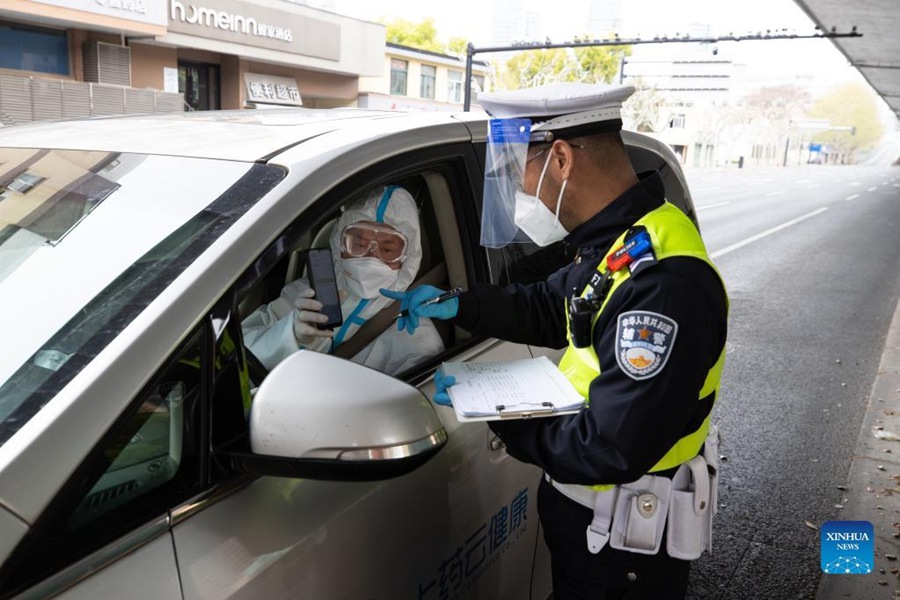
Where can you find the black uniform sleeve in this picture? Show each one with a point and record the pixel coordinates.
(524, 314)
(630, 424)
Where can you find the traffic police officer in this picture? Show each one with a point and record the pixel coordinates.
(629, 488)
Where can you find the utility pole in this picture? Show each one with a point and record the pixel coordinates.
(471, 50)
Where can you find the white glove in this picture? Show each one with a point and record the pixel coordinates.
(307, 313)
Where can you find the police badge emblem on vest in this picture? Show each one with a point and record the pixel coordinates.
(644, 342)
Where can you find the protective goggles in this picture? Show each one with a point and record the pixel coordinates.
(370, 239)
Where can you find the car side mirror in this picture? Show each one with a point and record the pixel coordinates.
(317, 416)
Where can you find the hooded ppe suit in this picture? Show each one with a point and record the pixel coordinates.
(269, 331)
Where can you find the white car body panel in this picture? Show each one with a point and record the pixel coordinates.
(148, 573)
(292, 531)
(230, 135)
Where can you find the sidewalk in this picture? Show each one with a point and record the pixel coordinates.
(873, 484)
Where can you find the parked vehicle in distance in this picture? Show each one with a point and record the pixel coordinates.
(130, 249)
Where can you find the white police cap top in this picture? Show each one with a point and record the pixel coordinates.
(566, 109)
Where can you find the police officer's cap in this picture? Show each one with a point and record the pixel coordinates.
(561, 110)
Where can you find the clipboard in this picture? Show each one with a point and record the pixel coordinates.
(518, 389)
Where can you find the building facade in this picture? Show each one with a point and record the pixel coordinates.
(413, 79)
(692, 83)
(78, 58)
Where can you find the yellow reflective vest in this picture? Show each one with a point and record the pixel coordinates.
(672, 234)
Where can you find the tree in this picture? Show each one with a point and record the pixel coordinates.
(851, 105)
(647, 110)
(421, 35)
(588, 64)
(772, 109)
(536, 67)
(457, 46)
(600, 63)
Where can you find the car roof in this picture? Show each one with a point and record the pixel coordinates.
(241, 135)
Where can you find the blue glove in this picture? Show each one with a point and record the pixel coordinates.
(441, 383)
(413, 305)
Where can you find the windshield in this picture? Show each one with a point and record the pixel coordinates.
(87, 241)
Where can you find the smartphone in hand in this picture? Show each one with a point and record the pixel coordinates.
(320, 270)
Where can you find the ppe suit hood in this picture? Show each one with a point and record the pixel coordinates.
(391, 205)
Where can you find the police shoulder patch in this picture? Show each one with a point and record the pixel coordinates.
(644, 342)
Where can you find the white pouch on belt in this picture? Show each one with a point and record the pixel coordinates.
(640, 515)
(689, 515)
(711, 454)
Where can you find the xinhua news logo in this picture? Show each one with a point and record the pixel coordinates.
(847, 547)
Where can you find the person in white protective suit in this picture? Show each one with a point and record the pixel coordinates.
(375, 244)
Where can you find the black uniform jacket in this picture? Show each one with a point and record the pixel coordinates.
(629, 424)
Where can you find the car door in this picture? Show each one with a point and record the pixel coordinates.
(463, 525)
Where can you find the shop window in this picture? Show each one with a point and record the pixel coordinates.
(454, 86)
(399, 69)
(426, 88)
(199, 82)
(677, 122)
(33, 49)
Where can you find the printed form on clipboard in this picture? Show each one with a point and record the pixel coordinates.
(516, 389)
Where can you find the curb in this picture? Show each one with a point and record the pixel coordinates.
(873, 483)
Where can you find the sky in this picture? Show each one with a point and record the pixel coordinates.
(471, 19)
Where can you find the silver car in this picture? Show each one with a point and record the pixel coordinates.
(130, 249)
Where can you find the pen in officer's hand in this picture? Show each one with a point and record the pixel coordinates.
(436, 300)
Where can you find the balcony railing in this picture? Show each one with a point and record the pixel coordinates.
(25, 98)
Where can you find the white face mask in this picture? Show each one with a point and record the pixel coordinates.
(534, 218)
(365, 276)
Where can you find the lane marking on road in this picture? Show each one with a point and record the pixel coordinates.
(779, 192)
(716, 205)
(872, 189)
(854, 196)
(766, 233)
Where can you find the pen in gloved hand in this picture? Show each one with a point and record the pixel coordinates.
(436, 300)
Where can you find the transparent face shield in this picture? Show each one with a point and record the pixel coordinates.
(504, 175)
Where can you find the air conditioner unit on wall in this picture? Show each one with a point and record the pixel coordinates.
(107, 63)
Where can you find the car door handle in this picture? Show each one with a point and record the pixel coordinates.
(497, 443)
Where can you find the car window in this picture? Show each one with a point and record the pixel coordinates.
(436, 193)
(153, 459)
(530, 263)
(146, 451)
(147, 463)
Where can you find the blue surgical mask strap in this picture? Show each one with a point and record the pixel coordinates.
(353, 319)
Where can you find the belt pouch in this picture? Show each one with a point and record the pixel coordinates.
(711, 455)
(689, 520)
(640, 516)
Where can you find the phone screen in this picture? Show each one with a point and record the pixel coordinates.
(320, 269)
